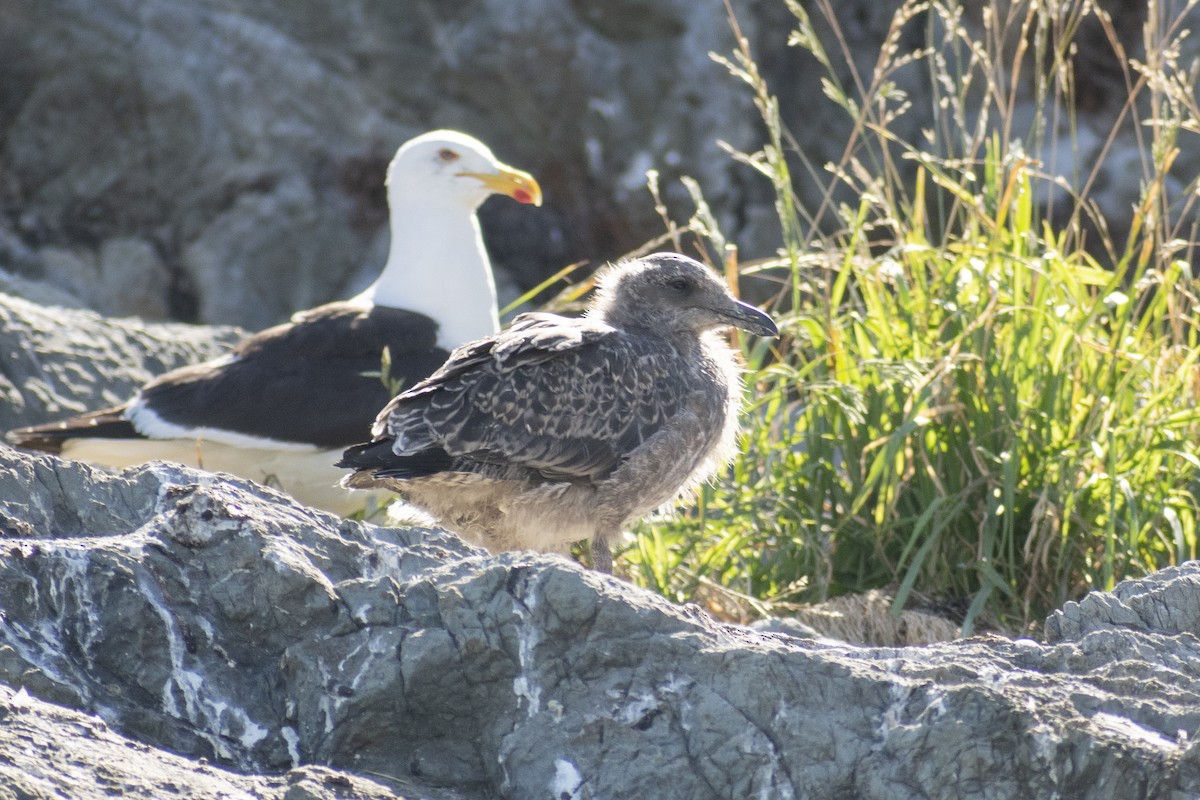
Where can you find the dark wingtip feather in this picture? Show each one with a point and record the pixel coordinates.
(31, 439)
(50, 437)
(366, 455)
(376, 460)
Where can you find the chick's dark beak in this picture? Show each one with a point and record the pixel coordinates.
(748, 318)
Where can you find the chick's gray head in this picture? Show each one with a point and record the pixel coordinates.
(673, 293)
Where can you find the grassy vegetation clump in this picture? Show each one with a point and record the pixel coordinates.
(982, 393)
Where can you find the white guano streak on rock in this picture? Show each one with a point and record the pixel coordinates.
(211, 716)
(528, 638)
(40, 650)
(567, 783)
(893, 715)
(44, 647)
(328, 703)
(186, 681)
(341, 667)
(73, 581)
(774, 779)
(292, 738)
(680, 686)
(376, 647)
(287, 557)
(1126, 728)
(635, 708)
(1044, 741)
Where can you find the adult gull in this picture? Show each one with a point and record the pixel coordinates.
(282, 406)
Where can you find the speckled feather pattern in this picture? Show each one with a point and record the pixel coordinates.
(562, 429)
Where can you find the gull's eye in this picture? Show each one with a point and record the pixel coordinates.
(447, 156)
(681, 284)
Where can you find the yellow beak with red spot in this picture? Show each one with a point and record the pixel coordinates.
(520, 186)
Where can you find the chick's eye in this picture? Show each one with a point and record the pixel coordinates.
(680, 284)
(446, 155)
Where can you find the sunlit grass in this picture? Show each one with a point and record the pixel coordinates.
(970, 399)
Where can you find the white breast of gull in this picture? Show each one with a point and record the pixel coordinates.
(284, 404)
(561, 429)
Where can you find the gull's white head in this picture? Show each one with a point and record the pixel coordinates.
(437, 264)
(451, 167)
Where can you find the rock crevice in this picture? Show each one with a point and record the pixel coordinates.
(211, 618)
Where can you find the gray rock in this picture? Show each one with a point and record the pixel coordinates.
(216, 619)
(36, 291)
(124, 273)
(50, 751)
(246, 143)
(1166, 602)
(56, 361)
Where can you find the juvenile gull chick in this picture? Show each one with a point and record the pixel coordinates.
(562, 429)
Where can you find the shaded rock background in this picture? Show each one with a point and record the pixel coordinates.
(222, 162)
(190, 615)
(55, 362)
(156, 154)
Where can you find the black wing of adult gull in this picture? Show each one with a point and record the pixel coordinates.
(560, 429)
(283, 404)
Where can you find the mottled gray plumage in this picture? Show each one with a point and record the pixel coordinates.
(563, 429)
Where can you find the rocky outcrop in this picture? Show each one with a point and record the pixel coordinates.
(157, 153)
(1166, 602)
(50, 751)
(55, 362)
(210, 618)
